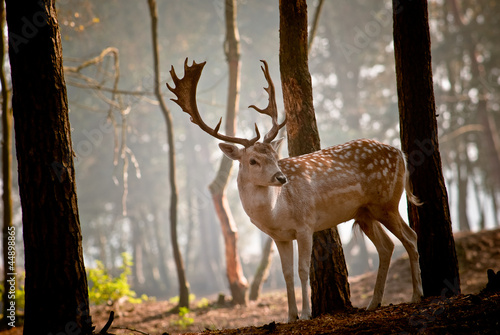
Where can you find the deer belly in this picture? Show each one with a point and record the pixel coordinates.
(337, 210)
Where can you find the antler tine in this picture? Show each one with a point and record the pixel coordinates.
(271, 108)
(185, 91)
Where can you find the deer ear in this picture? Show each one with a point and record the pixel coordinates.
(231, 151)
(277, 144)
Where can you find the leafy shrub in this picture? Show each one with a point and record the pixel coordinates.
(183, 321)
(103, 287)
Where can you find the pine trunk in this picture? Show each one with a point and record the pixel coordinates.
(56, 284)
(329, 285)
(431, 221)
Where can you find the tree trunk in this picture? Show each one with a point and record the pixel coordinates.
(462, 186)
(431, 221)
(9, 266)
(262, 270)
(179, 263)
(329, 285)
(56, 284)
(238, 284)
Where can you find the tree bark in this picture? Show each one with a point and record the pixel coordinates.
(179, 263)
(9, 267)
(56, 284)
(329, 285)
(417, 110)
(238, 284)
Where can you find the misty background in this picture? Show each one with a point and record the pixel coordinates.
(119, 134)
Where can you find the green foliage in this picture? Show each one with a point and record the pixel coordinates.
(175, 300)
(183, 321)
(203, 303)
(103, 287)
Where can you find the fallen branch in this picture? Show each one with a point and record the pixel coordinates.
(104, 330)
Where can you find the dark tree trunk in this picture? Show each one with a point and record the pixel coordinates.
(238, 284)
(179, 263)
(431, 221)
(56, 283)
(330, 288)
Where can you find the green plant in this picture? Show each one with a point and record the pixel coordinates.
(183, 320)
(175, 300)
(203, 303)
(103, 287)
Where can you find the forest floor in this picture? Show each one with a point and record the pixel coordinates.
(471, 312)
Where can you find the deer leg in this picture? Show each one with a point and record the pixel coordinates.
(408, 238)
(285, 250)
(304, 243)
(373, 229)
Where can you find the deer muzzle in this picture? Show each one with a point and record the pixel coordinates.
(280, 177)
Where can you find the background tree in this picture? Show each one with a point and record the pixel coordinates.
(238, 284)
(419, 139)
(181, 274)
(56, 284)
(330, 288)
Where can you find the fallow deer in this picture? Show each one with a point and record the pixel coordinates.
(290, 199)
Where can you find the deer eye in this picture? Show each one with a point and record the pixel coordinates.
(253, 161)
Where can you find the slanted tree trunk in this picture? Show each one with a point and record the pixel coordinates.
(179, 263)
(238, 284)
(330, 288)
(56, 284)
(9, 266)
(262, 270)
(417, 111)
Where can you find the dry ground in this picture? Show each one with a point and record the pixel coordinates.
(469, 313)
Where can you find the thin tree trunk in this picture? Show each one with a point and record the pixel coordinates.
(162, 252)
(462, 187)
(330, 288)
(417, 110)
(9, 267)
(56, 284)
(262, 270)
(181, 274)
(238, 284)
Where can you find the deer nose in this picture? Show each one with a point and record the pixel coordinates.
(279, 176)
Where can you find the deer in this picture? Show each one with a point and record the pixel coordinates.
(291, 198)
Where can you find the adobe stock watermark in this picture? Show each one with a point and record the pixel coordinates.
(72, 328)
(11, 277)
(417, 157)
(29, 29)
(363, 35)
(428, 313)
(85, 147)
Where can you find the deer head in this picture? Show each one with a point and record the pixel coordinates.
(258, 160)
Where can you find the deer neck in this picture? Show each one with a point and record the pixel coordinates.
(259, 202)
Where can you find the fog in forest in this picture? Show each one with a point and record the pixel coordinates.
(119, 133)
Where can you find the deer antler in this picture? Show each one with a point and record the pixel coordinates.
(271, 108)
(185, 90)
